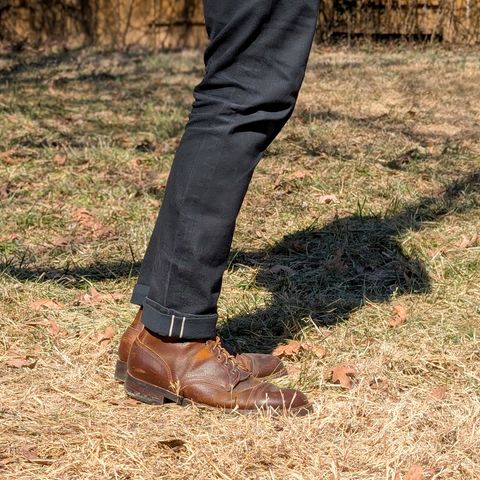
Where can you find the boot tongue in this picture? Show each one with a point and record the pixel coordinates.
(244, 362)
(244, 374)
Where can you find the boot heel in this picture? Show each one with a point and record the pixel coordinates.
(120, 371)
(147, 393)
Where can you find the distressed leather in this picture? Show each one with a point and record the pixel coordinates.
(205, 373)
(259, 364)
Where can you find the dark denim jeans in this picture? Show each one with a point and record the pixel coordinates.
(254, 67)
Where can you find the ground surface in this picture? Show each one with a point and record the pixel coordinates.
(359, 235)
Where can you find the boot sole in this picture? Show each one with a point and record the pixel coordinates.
(147, 393)
(120, 371)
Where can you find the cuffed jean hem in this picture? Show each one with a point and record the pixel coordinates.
(140, 291)
(171, 323)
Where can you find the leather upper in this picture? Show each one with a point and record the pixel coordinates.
(260, 365)
(204, 373)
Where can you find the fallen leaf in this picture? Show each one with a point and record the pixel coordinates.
(59, 241)
(9, 238)
(378, 384)
(59, 159)
(94, 296)
(6, 157)
(342, 374)
(53, 328)
(468, 242)
(336, 263)
(319, 351)
(45, 304)
(281, 268)
(106, 336)
(32, 457)
(435, 251)
(16, 359)
(326, 199)
(37, 349)
(51, 325)
(415, 473)
(298, 174)
(294, 347)
(439, 392)
(88, 221)
(288, 350)
(21, 362)
(174, 444)
(400, 316)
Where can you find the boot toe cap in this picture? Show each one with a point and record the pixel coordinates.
(280, 399)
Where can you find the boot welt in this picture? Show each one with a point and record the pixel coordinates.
(147, 393)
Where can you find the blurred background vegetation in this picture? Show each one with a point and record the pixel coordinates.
(179, 23)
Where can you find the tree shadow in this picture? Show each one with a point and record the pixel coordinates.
(322, 275)
(70, 276)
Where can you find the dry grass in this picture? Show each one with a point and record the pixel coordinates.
(392, 132)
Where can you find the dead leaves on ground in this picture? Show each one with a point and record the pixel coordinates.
(399, 317)
(60, 159)
(46, 304)
(31, 456)
(327, 199)
(105, 337)
(93, 296)
(342, 374)
(18, 359)
(336, 264)
(414, 473)
(51, 326)
(281, 268)
(294, 347)
(7, 157)
(466, 242)
(89, 222)
(299, 175)
(439, 393)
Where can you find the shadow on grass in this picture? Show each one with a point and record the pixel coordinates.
(322, 275)
(318, 274)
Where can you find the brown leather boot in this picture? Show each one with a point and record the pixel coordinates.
(203, 373)
(260, 365)
(126, 342)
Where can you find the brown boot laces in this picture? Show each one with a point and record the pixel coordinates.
(223, 355)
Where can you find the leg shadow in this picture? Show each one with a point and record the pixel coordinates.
(325, 274)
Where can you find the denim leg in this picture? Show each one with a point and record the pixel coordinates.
(254, 67)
